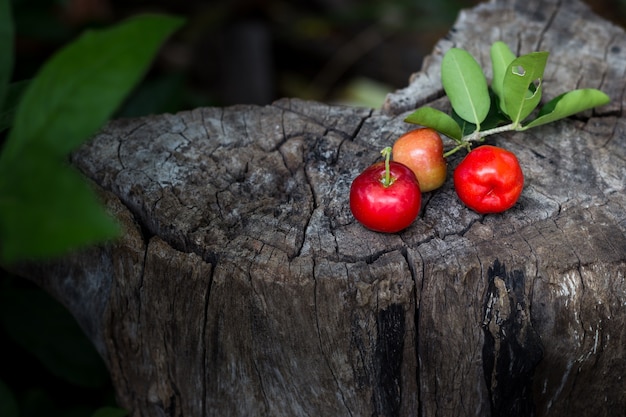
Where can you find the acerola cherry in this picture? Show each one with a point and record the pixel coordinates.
(386, 196)
(422, 151)
(489, 179)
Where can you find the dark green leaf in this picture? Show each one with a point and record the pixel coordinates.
(36, 21)
(466, 127)
(522, 85)
(11, 101)
(79, 88)
(465, 85)
(568, 104)
(156, 96)
(436, 119)
(6, 47)
(46, 208)
(110, 412)
(8, 403)
(501, 58)
(42, 326)
(495, 117)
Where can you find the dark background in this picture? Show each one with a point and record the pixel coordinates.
(229, 52)
(255, 51)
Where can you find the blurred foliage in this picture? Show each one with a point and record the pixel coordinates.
(48, 367)
(253, 51)
(256, 51)
(46, 208)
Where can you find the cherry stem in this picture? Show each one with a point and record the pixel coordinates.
(386, 153)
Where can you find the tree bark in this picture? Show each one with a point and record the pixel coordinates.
(243, 286)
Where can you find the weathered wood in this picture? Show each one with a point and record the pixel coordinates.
(243, 286)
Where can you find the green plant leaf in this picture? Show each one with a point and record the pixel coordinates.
(495, 117)
(43, 327)
(155, 96)
(466, 127)
(8, 403)
(522, 85)
(501, 58)
(79, 88)
(110, 412)
(7, 113)
(436, 119)
(6, 47)
(465, 85)
(46, 209)
(568, 104)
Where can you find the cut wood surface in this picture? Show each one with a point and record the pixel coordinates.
(243, 286)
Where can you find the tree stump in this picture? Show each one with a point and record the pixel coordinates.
(242, 285)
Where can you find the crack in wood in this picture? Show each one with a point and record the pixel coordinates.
(321, 342)
(512, 349)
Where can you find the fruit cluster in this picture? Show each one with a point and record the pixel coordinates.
(386, 197)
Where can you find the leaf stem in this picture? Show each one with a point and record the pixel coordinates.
(465, 145)
(499, 129)
(479, 136)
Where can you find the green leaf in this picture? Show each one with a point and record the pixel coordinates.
(40, 325)
(522, 85)
(14, 94)
(568, 104)
(6, 47)
(46, 209)
(436, 119)
(79, 88)
(465, 85)
(8, 403)
(110, 412)
(466, 127)
(495, 117)
(501, 58)
(154, 96)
